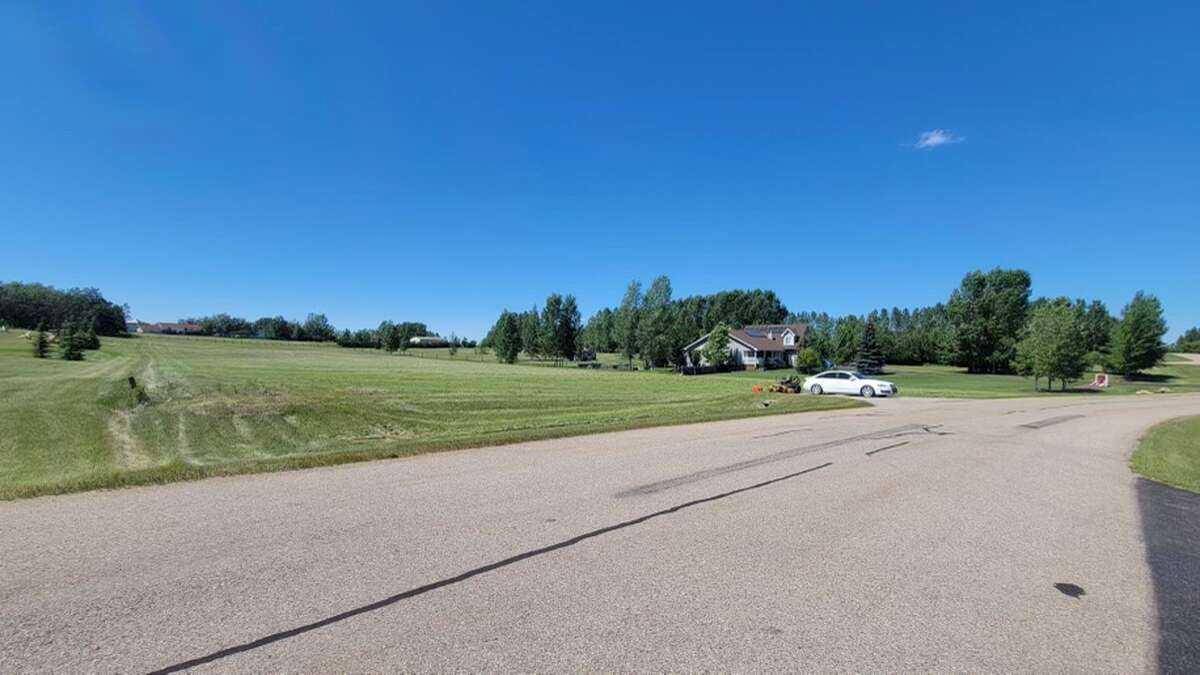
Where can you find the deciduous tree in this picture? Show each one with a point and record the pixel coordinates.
(808, 361)
(655, 339)
(507, 337)
(531, 332)
(551, 315)
(389, 336)
(715, 351)
(566, 332)
(627, 320)
(318, 329)
(1138, 340)
(1053, 345)
(988, 312)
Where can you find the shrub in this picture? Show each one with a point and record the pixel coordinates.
(88, 339)
(808, 361)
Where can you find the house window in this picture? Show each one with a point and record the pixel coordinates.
(789, 339)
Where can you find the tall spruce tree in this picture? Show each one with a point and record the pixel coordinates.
(69, 348)
(40, 344)
(870, 358)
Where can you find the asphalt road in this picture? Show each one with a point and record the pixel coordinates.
(915, 535)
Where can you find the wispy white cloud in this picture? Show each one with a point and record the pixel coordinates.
(928, 140)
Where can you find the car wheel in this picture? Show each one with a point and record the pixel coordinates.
(816, 390)
(867, 392)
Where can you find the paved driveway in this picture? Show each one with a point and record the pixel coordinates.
(917, 534)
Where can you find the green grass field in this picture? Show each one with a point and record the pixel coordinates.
(952, 382)
(1170, 453)
(229, 406)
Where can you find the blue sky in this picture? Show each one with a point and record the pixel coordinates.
(439, 162)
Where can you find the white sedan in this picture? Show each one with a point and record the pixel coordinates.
(848, 382)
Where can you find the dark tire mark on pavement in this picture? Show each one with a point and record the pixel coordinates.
(1051, 421)
(783, 433)
(1171, 531)
(886, 447)
(421, 590)
(705, 474)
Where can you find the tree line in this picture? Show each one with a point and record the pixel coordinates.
(1189, 342)
(87, 313)
(655, 328)
(395, 336)
(24, 305)
(649, 324)
(989, 324)
(551, 332)
(389, 336)
(314, 328)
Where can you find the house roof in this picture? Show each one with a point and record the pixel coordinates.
(765, 337)
(769, 337)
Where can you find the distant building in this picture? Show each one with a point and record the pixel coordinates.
(166, 328)
(753, 347)
(428, 341)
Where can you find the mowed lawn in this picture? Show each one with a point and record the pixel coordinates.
(953, 382)
(1170, 453)
(219, 406)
